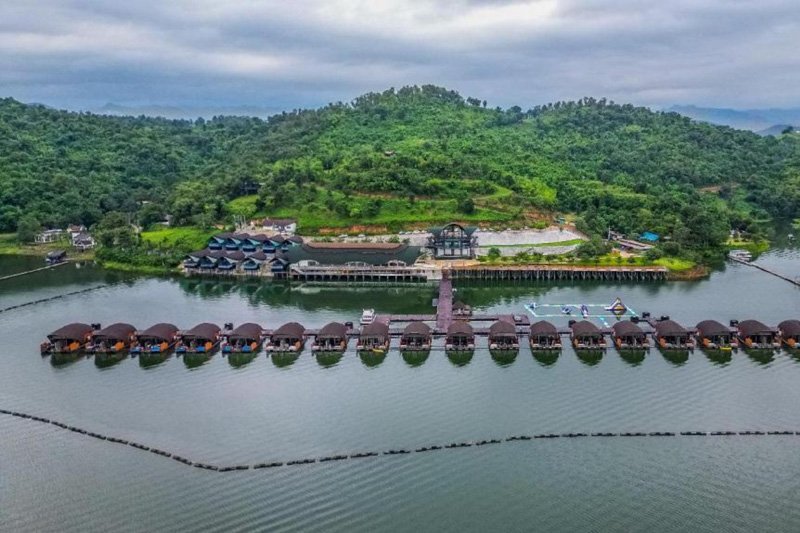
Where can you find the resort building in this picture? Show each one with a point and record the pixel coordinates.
(453, 241)
(356, 261)
(49, 235)
(286, 226)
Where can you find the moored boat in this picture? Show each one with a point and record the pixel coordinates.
(202, 339)
(374, 338)
(331, 338)
(756, 335)
(289, 337)
(367, 317)
(416, 337)
(789, 331)
(159, 338)
(247, 338)
(713, 335)
(115, 338)
(544, 336)
(71, 338)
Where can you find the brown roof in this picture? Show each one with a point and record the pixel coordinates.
(459, 327)
(754, 327)
(417, 329)
(502, 328)
(205, 331)
(376, 329)
(458, 305)
(584, 327)
(162, 332)
(627, 328)
(711, 327)
(247, 331)
(334, 330)
(669, 327)
(292, 330)
(790, 327)
(118, 331)
(543, 328)
(71, 332)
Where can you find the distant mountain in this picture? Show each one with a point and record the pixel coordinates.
(777, 129)
(178, 112)
(756, 120)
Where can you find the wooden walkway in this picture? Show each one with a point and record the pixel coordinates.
(18, 274)
(794, 282)
(559, 272)
(444, 309)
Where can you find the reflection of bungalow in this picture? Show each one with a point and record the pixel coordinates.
(453, 241)
(352, 254)
(280, 225)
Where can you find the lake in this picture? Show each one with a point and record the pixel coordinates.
(234, 412)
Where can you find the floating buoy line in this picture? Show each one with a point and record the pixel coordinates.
(51, 298)
(399, 451)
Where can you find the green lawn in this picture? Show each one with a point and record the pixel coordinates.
(184, 238)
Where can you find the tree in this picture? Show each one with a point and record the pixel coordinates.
(28, 228)
(494, 254)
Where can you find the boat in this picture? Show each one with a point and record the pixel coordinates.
(367, 317)
(246, 338)
(69, 339)
(201, 339)
(289, 337)
(584, 311)
(156, 339)
(375, 338)
(112, 339)
(616, 307)
(740, 255)
(566, 310)
(544, 336)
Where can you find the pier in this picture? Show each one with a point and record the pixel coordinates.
(444, 307)
(559, 273)
(20, 274)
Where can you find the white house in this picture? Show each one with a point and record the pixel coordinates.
(287, 226)
(49, 235)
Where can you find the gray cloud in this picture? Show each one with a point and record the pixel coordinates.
(85, 53)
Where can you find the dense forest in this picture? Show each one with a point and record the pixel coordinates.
(615, 166)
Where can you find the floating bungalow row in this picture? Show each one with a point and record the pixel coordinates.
(503, 335)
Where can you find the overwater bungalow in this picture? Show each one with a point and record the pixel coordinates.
(235, 241)
(672, 336)
(331, 338)
(254, 243)
(203, 338)
(67, 339)
(460, 309)
(713, 335)
(757, 336)
(586, 336)
(247, 338)
(230, 260)
(374, 337)
(416, 337)
(544, 336)
(156, 339)
(217, 242)
(254, 262)
(503, 336)
(112, 339)
(287, 338)
(629, 336)
(789, 331)
(273, 244)
(460, 336)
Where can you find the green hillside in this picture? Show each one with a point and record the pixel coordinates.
(406, 157)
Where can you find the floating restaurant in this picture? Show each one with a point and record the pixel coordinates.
(629, 336)
(757, 336)
(331, 338)
(112, 339)
(288, 338)
(202, 339)
(544, 336)
(159, 338)
(713, 335)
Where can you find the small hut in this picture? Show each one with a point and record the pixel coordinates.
(789, 330)
(460, 336)
(544, 336)
(503, 336)
(113, 339)
(416, 337)
(374, 337)
(331, 338)
(247, 338)
(460, 309)
(287, 338)
(67, 339)
(203, 338)
(757, 336)
(672, 336)
(155, 339)
(586, 336)
(713, 335)
(55, 257)
(630, 336)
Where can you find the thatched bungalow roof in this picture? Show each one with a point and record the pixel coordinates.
(119, 331)
(71, 332)
(458, 305)
(749, 328)
(416, 330)
(790, 328)
(163, 332)
(668, 328)
(334, 330)
(502, 328)
(543, 328)
(376, 330)
(291, 330)
(459, 328)
(711, 328)
(585, 328)
(626, 328)
(204, 331)
(247, 331)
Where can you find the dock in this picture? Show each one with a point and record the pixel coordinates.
(559, 273)
(444, 307)
(20, 274)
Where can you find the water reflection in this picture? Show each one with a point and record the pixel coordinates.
(240, 359)
(372, 359)
(152, 360)
(589, 357)
(504, 358)
(761, 357)
(460, 358)
(546, 357)
(633, 357)
(415, 359)
(719, 357)
(328, 359)
(59, 360)
(195, 360)
(107, 360)
(284, 359)
(676, 357)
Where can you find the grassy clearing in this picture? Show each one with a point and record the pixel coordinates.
(540, 245)
(10, 246)
(754, 247)
(183, 238)
(139, 269)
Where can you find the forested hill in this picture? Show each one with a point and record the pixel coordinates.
(615, 165)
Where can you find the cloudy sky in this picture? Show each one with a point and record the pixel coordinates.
(82, 54)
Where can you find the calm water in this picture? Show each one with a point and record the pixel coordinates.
(55, 480)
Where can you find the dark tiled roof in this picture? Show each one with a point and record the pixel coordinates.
(258, 256)
(627, 328)
(543, 328)
(712, 327)
(118, 331)
(459, 327)
(342, 253)
(669, 327)
(334, 330)
(292, 330)
(162, 332)
(754, 327)
(247, 331)
(71, 332)
(584, 327)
